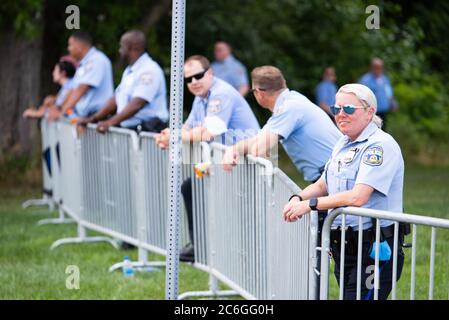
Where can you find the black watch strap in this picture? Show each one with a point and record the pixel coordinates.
(313, 203)
(296, 195)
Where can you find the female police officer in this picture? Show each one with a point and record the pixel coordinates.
(366, 169)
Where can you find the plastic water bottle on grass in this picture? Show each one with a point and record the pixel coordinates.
(128, 270)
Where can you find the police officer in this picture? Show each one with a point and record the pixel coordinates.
(218, 113)
(304, 130)
(229, 69)
(63, 73)
(326, 90)
(140, 100)
(366, 170)
(93, 84)
(380, 84)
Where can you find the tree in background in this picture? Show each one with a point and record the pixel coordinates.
(300, 37)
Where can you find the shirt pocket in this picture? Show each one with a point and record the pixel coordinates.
(346, 178)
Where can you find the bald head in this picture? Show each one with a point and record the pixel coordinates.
(132, 45)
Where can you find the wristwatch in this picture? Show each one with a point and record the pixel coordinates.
(313, 204)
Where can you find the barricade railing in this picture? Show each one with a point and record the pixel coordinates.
(115, 184)
(396, 218)
(246, 236)
(117, 188)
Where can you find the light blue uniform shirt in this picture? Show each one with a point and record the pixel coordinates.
(325, 92)
(232, 71)
(144, 79)
(225, 113)
(62, 93)
(374, 159)
(381, 88)
(94, 70)
(305, 131)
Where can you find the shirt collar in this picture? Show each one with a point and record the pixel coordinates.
(370, 129)
(88, 54)
(280, 99)
(67, 83)
(139, 61)
(228, 59)
(206, 99)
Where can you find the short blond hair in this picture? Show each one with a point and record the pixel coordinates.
(268, 78)
(364, 94)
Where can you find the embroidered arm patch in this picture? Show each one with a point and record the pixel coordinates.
(373, 156)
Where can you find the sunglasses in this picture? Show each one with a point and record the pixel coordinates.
(347, 108)
(197, 76)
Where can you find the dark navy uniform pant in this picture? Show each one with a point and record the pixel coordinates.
(367, 274)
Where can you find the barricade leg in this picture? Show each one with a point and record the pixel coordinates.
(60, 220)
(213, 291)
(142, 264)
(44, 201)
(83, 238)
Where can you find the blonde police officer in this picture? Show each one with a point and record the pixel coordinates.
(366, 170)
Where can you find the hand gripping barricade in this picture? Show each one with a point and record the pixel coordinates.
(397, 218)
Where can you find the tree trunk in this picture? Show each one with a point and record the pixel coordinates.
(155, 13)
(20, 76)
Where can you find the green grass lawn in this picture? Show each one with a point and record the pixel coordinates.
(29, 270)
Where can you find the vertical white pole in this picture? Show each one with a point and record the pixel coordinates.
(174, 174)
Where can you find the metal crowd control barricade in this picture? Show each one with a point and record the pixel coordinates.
(292, 254)
(246, 236)
(111, 194)
(201, 212)
(151, 186)
(70, 170)
(397, 218)
(47, 199)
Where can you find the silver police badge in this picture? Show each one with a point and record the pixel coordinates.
(349, 156)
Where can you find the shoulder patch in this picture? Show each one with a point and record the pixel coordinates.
(146, 78)
(89, 66)
(214, 106)
(373, 156)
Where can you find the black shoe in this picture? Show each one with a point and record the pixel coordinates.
(126, 246)
(187, 253)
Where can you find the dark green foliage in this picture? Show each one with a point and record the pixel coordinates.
(300, 37)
